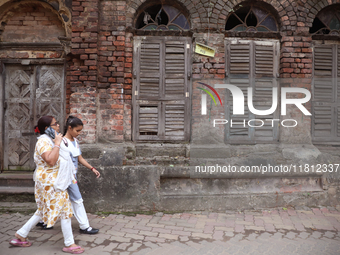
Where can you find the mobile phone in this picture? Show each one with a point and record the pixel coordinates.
(50, 132)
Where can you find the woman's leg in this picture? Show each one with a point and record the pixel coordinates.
(78, 206)
(80, 213)
(66, 228)
(23, 232)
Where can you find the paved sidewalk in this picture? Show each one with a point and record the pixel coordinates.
(278, 231)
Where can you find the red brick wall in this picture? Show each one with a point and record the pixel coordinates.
(82, 69)
(32, 24)
(114, 73)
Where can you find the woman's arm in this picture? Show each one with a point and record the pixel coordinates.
(51, 157)
(87, 165)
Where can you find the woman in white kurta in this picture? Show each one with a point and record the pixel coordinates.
(52, 205)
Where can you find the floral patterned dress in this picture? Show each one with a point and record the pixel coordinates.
(51, 205)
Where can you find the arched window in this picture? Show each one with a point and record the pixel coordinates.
(254, 63)
(327, 22)
(251, 19)
(162, 17)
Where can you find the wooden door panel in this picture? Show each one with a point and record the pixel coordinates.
(30, 92)
(50, 92)
(18, 117)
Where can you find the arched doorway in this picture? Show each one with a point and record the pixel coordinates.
(32, 81)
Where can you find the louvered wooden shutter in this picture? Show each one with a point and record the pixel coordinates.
(252, 64)
(238, 71)
(149, 65)
(148, 117)
(175, 80)
(174, 120)
(175, 69)
(266, 71)
(325, 104)
(160, 82)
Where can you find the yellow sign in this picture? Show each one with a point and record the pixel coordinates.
(204, 50)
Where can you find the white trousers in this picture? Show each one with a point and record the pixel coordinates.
(80, 213)
(66, 228)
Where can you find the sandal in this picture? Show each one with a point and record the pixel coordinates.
(73, 250)
(19, 243)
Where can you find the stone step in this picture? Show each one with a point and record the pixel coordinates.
(14, 207)
(13, 179)
(16, 194)
(16, 190)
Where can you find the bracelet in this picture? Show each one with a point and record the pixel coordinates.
(92, 168)
(57, 146)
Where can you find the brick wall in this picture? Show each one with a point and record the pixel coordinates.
(82, 66)
(32, 24)
(114, 73)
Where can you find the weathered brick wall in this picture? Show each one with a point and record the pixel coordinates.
(82, 68)
(33, 24)
(114, 73)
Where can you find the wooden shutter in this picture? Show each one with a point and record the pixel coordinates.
(325, 97)
(238, 72)
(175, 69)
(238, 61)
(161, 108)
(323, 61)
(266, 71)
(252, 64)
(149, 69)
(148, 116)
(175, 81)
(174, 120)
(262, 100)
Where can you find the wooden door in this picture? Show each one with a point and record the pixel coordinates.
(30, 92)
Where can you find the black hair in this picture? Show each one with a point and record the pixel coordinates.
(72, 122)
(43, 122)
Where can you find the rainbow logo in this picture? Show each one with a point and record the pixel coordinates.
(204, 97)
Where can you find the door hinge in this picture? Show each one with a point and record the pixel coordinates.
(186, 94)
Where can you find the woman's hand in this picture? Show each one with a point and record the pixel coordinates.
(95, 171)
(58, 138)
(51, 157)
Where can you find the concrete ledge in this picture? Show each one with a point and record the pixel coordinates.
(242, 201)
(16, 190)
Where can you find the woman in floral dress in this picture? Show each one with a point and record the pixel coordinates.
(52, 205)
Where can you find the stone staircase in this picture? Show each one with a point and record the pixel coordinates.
(17, 192)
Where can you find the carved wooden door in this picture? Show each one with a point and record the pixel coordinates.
(30, 92)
